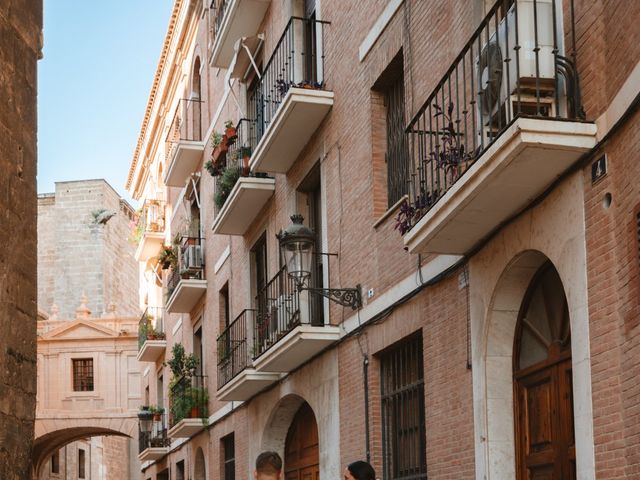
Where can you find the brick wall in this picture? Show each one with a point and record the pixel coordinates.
(614, 296)
(441, 317)
(20, 30)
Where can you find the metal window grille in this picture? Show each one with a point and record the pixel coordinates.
(397, 156)
(83, 375)
(403, 417)
(228, 445)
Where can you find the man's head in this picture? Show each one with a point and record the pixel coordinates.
(268, 466)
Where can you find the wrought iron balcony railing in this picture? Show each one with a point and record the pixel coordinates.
(186, 125)
(219, 8)
(157, 437)
(281, 308)
(235, 162)
(513, 66)
(188, 398)
(151, 325)
(233, 352)
(296, 61)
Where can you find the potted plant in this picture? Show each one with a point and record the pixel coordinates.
(230, 132)
(157, 412)
(213, 168)
(197, 398)
(168, 257)
(182, 365)
(219, 146)
(225, 184)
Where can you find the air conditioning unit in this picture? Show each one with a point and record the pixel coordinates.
(192, 258)
(499, 86)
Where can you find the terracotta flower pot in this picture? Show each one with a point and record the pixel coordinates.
(230, 133)
(218, 153)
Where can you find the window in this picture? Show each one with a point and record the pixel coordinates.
(229, 460)
(310, 206)
(224, 306)
(259, 264)
(55, 462)
(390, 86)
(81, 463)
(160, 391)
(403, 422)
(180, 470)
(83, 375)
(197, 350)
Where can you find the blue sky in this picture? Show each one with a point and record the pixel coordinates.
(94, 81)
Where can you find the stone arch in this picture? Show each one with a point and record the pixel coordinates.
(493, 366)
(52, 434)
(200, 467)
(275, 431)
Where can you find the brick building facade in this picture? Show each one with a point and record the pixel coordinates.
(20, 44)
(497, 337)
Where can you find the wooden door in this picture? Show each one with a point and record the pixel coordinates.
(545, 444)
(302, 460)
(545, 424)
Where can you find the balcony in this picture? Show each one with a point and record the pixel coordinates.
(151, 225)
(237, 379)
(240, 195)
(186, 283)
(189, 401)
(184, 143)
(290, 101)
(155, 444)
(503, 123)
(290, 327)
(152, 340)
(234, 19)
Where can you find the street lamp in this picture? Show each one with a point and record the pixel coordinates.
(145, 418)
(296, 243)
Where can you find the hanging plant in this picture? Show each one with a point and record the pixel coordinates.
(213, 168)
(168, 257)
(226, 182)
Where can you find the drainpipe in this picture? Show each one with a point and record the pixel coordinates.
(365, 373)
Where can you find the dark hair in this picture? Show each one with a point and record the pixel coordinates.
(362, 470)
(269, 463)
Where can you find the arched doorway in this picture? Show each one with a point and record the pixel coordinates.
(301, 454)
(543, 393)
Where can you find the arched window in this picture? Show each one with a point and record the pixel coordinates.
(545, 445)
(195, 101)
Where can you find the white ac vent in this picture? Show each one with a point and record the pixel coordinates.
(193, 257)
(499, 80)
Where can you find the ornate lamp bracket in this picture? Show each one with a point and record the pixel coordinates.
(347, 297)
